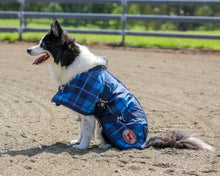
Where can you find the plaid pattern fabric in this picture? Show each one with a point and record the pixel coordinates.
(117, 139)
(82, 93)
(120, 112)
(115, 130)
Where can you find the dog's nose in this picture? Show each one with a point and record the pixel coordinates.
(29, 51)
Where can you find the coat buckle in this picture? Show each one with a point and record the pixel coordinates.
(103, 103)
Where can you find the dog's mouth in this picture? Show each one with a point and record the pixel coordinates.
(41, 59)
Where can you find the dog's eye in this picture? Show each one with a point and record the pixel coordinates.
(43, 44)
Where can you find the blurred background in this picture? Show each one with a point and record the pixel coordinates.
(123, 20)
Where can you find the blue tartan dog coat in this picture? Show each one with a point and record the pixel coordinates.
(97, 92)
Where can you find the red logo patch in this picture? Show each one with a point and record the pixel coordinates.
(129, 136)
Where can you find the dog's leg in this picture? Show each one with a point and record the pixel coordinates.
(104, 144)
(73, 142)
(87, 127)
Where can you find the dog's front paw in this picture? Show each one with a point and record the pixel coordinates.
(82, 147)
(74, 142)
(84, 143)
(105, 146)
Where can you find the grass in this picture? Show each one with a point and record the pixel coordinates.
(175, 43)
(133, 41)
(9, 22)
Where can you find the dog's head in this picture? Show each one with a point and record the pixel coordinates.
(58, 44)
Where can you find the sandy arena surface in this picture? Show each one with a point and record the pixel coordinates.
(177, 89)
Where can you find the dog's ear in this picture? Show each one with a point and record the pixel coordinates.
(56, 29)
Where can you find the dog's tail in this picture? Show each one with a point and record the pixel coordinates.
(178, 139)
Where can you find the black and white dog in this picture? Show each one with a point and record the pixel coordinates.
(70, 59)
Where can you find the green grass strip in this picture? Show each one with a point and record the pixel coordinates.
(133, 41)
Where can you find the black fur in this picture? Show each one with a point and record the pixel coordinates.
(62, 47)
(104, 136)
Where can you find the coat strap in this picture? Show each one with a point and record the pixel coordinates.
(103, 98)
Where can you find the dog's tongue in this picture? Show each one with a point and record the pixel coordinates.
(41, 59)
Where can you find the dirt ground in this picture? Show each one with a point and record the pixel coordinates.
(177, 89)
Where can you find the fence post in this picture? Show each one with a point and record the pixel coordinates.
(21, 11)
(124, 20)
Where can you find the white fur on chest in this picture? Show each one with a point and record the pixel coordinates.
(85, 61)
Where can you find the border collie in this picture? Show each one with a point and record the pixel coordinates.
(86, 86)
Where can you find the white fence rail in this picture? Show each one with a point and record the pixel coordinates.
(124, 17)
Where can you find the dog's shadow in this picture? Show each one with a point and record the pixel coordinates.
(56, 148)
